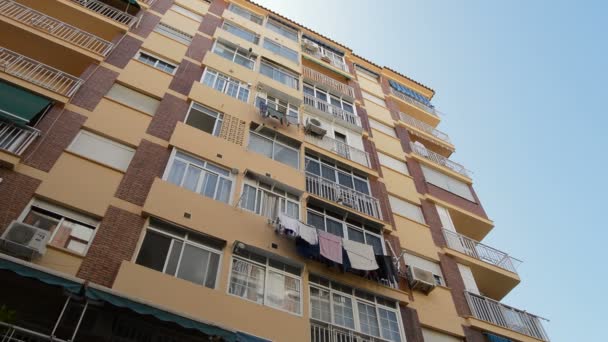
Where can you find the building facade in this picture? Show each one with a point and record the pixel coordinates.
(197, 170)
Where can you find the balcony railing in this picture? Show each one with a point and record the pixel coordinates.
(423, 126)
(325, 332)
(332, 110)
(13, 333)
(15, 139)
(415, 102)
(480, 251)
(37, 73)
(328, 82)
(341, 194)
(489, 310)
(439, 159)
(54, 27)
(340, 148)
(108, 11)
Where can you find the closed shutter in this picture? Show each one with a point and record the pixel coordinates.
(447, 183)
(393, 163)
(406, 209)
(133, 99)
(469, 281)
(100, 149)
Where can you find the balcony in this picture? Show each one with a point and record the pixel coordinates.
(325, 332)
(340, 148)
(38, 73)
(16, 139)
(328, 82)
(424, 127)
(48, 25)
(343, 195)
(480, 251)
(439, 159)
(415, 102)
(107, 11)
(332, 112)
(494, 312)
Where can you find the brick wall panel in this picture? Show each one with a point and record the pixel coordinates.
(17, 190)
(161, 6)
(473, 335)
(115, 240)
(124, 51)
(199, 47)
(413, 166)
(149, 161)
(379, 191)
(431, 217)
(146, 25)
(362, 113)
(411, 324)
(58, 128)
(454, 281)
(218, 6)
(95, 87)
(404, 138)
(187, 73)
(170, 111)
(209, 24)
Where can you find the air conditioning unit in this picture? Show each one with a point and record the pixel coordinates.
(420, 279)
(315, 126)
(24, 240)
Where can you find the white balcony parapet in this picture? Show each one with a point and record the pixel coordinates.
(439, 159)
(38, 73)
(341, 194)
(423, 126)
(16, 139)
(340, 148)
(329, 82)
(415, 102)
(56, 28)
(478, 250)
(489, 310)
(108, 11)
(335, 112)
(325, 332)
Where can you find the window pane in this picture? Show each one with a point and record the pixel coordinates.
(260, 145)
(248, 198)
(315, 220)
(41, 220)
(328, 173)
(178, 169)
(335, 227)
(193, 266)
(343, 311)
(153, 251)
(368, 319)
(286, 155)
(247, 281)
(345, 179)
(223, 191)
(202, 119)
(283, 292)
(209, 78)
(389, 325)
(313, 167)
(192, 176)
(361, 185)
(292, 210)
(176, 251)
(214, 263)
(375, 242)
(209, 184)
(355, 235)
(73, 236)
(320, 308)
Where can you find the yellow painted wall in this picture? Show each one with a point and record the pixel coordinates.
(145, 78)
(197, 6)
(61, 261)
(388, 144)
(118, 121)
(437, 310)
(415, 237)
(165, 47)
(370, 86)
(400, 185)
(379, 113)
(181, 22)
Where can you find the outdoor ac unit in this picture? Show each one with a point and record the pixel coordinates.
(315, 126)
(420, 279)
(24, 240)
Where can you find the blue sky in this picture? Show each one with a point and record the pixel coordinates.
(521, 83)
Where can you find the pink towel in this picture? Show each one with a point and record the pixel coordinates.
(330, 246)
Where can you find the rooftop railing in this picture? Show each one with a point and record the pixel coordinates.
(329, 82)
(38, 73)
(108, 11)
(16, 139)
(489, 310)
(439, 159)
(479, 251)
(56, 28)
(325, 332)
(332, 110)
(341, 194)
(340, 148)
(423, 126)
(415, 102)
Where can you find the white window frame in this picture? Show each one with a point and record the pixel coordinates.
(64, 213)
(383, 128)
(277, 104)
(284, 72)
(204, 170)
(184, 240)
(336, 172)
(245, 13)
(186, 12)
(236, 51)
(256, 37)
(219, 119)
(329, 96)
(256, 185)
(274, 143)
(282, 50)
(156, 63)
(267, 269)
(355, 300)
(241, 86)
(276, 26)
(173, 33)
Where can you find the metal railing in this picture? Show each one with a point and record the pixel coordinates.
(341, 194)
(54, 27)
(15, 139)
(38, 73)
(108, 11)
(12, 333)
(334, 111)
(439, 159)
(340, 148)
(325, 332)
(423, 126)
(328, 82)
(415, 102)
(478, 250)
(489, 310)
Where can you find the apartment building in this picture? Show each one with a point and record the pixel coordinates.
(197, 170)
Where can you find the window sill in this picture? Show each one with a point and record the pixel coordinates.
(66, 251)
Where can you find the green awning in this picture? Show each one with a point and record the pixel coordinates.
(144, 309)
(25, 270)
(19, 105)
